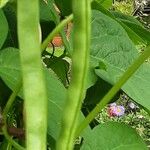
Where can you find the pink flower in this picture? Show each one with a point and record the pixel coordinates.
(116, 110)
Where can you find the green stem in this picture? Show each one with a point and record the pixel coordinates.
(58, 28)
(129, 72)
(10, 140)
(80, 60)
(56, 19)
(5, 112)
(11, 100)
(34, 87)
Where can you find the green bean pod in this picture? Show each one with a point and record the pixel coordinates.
(33, 79)
(80, 60)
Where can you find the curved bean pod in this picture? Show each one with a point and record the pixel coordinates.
(81, 42)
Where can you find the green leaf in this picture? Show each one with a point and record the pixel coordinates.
(102, 65)
(113, 136)
(140, 31)
(121, 16)
(10, 73)
(56, 101)
(45, 11)
(3, 28)
(10, 66)
(136, 39)
(59, 66)
(10, 13)
(97, 6)
(135, 30)
(131, 24)
(3, 3)
(91, 76)
(111, 44)
(48, 19)
(105, 3)
(95, 93)
(65, 6)
(137, 87)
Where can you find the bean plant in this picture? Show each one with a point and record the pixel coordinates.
(52, 55)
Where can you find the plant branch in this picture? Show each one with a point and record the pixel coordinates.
(5, 112)
(56, 30)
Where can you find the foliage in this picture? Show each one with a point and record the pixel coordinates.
(125, 7)
(58, 91)
(134, 115)
(116, 142)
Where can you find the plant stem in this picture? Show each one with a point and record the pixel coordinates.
(129, 72)
(11, 100)
(34, 87)
(5, 112)
(80, 59)
(56, 30)
(10, 140)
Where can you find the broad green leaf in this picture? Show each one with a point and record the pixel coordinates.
(3, 28)
(129, 22)
(140, 31)
(111, 44)
(3, 3)
(56, 101)
(45, 11)
(121, 16)
(136, 39)
(113, 136)
(10, 66)
(59, 66)
(135, 30)
(137, 87)
(48, 19)
(114, 15)
(96, 5)
(10, 72)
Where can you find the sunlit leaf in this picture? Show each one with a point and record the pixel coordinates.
(113, 136)
(3, 3)
(111, 44)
